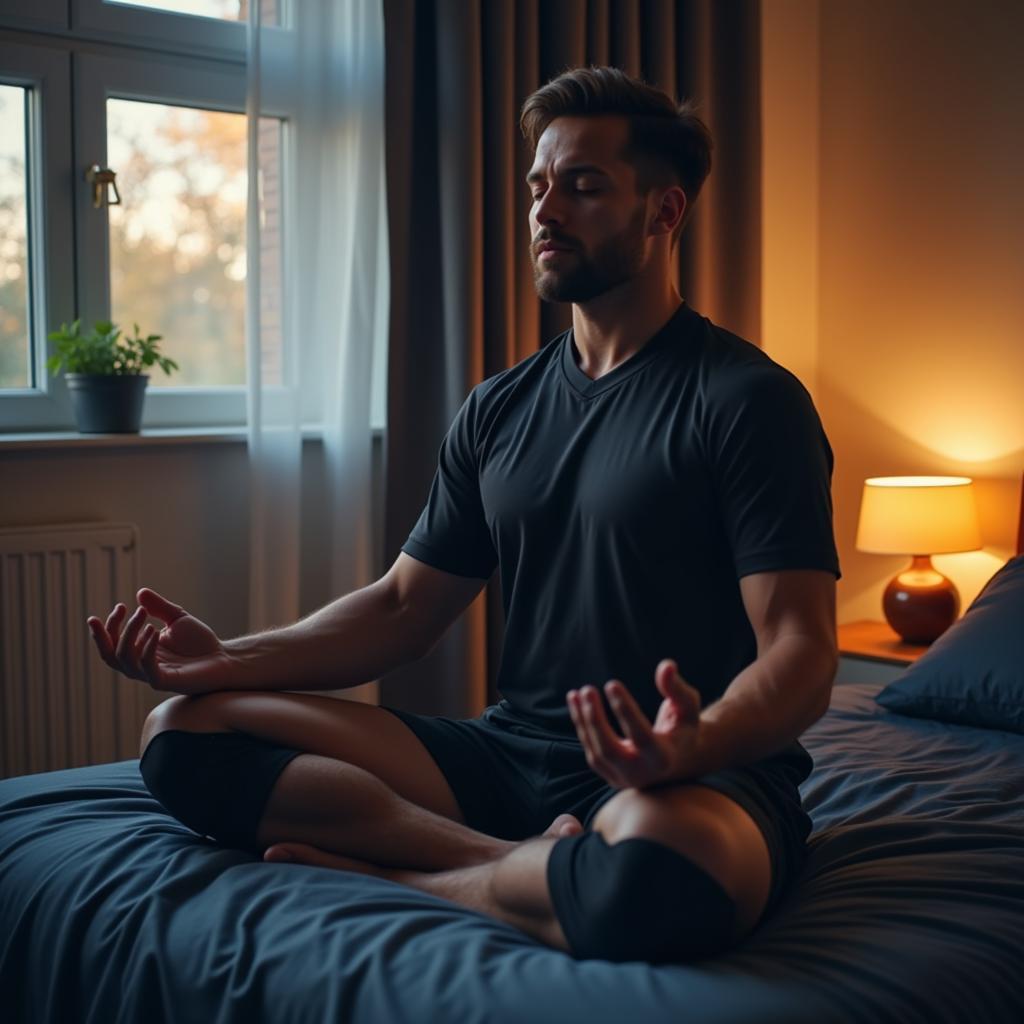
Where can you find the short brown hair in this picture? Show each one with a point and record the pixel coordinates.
(668, 143)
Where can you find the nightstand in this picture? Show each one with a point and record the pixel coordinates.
(871, 652)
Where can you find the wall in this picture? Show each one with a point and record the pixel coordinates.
(919, 217)
(894, 251)
(190, 503)
(789, 173)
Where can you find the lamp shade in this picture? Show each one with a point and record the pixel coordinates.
(918, 515)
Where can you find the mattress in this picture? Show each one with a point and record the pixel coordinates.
(910, 908)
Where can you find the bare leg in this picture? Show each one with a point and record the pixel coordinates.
(343, 808)
(512, 888)
(364, 785)
(368, 788)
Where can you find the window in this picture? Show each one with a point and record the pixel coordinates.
(177, 238)
(155, 91)
(37, 228)
(230, 9)
(15, 361)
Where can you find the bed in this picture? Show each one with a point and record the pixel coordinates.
(910, 906)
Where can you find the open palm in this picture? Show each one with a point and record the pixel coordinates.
(185, 656)
(647, 754)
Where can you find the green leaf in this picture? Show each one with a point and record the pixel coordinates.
(105, 350)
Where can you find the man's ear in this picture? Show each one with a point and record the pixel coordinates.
(673, 207)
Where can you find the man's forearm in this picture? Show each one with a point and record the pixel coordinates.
(767, 706)
(351, 641)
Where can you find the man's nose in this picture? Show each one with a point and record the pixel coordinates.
(549, 208)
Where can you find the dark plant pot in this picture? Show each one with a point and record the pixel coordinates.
(107, 403)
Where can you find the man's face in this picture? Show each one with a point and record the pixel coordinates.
(594, 212)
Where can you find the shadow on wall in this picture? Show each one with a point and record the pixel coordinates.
(865, 445)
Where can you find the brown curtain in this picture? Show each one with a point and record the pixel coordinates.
(463, 304)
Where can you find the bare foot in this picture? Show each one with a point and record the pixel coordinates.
(302, 853)
(564, 825)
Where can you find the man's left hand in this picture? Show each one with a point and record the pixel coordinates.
(647, 755)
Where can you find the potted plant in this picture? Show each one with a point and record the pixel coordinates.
(104, 373)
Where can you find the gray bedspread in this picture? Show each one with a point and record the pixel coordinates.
(911, 908)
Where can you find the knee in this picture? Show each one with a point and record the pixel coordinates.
(676, 816)
(708, 828)
(636, 899)
(216, 783)
(193, 712)
(205, 712)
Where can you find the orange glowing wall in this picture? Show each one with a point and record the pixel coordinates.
(894, 252)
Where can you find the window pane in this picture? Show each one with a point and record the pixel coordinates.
(177, 241)
(15, 365)
(230, 10)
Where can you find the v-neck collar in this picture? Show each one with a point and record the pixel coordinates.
(586, 387)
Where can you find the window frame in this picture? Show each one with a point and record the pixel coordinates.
(45, 15)
(73, 72)
(52, 49)
(138, 27)
(160, 79)
(44, 404)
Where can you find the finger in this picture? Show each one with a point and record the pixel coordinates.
(689, 693)
(102, 640)
(602, 734)
(576, 712)
(572, 701)
(576, 702)
(126, 645)
(586, 727)
(159, 607)
(632, 719)
(675, 688)
(146, 654)
(113, 625)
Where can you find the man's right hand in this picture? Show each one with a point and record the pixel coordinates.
(185, 656)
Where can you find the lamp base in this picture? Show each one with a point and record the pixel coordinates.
(920, 604)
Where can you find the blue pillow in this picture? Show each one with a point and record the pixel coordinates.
(974, 673)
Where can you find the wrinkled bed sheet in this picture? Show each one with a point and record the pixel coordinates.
(910, 908)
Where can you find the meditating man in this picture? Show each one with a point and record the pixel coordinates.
(655, 492)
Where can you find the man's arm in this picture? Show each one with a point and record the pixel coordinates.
(787, 687)
(355, 639)
(361, 636)
(764, 709)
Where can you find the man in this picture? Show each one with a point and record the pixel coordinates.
(655, 492)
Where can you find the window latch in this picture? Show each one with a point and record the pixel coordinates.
(100, 178)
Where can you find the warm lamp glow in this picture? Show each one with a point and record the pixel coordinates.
(918, 515)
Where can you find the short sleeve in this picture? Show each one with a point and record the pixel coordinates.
(772, 466)
(451, 533)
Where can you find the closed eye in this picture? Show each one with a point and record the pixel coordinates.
(538, 195)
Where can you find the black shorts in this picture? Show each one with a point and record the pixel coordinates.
(511, 778)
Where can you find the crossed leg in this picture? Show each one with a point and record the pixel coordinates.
(366, 786)
(368, 797)
(704, 825)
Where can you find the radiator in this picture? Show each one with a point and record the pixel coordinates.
(60, 705)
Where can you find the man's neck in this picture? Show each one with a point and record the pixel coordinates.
(606, 334)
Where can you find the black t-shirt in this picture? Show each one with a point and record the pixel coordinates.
(623, 511)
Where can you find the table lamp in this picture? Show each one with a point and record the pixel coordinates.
(919, 516)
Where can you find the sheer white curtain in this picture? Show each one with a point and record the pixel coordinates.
(318, 287)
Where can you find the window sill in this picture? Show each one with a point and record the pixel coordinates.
(45, 440)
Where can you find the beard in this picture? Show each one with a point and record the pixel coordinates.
(578, 276)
